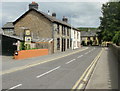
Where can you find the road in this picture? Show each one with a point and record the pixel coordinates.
(61, 73)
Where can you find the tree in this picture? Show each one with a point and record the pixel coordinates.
(110, 21)
(116, 38)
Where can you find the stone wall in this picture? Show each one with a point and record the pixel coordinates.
(46, 45)
(37, 23)
(116, 51)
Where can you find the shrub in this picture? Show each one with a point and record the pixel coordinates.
(27, 47)
(116, 38)
(22, 46)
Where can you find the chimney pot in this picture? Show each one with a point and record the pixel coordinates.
(48, 12)
(53, 14)
(33, 5)
(65, 19)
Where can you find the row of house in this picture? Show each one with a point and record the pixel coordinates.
(89, 37)
(44, 28)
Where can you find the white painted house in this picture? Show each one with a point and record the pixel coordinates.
(76, 38)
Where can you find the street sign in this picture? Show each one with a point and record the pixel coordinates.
(27, 36)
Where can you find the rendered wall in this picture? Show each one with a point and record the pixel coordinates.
(30, 53)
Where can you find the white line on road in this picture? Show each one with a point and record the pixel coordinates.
(48, 72)
(70, 61)
(14, 87)
(79, 56)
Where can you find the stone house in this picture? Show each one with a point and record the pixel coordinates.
(44, 26)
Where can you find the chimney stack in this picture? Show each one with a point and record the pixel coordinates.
(48, 12)
(65, 19)
(53, 14)
(33, 5)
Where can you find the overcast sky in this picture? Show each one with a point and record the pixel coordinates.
(80, 14)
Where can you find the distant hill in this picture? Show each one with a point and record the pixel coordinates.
(86, 28)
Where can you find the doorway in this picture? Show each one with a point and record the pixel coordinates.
(63, 44)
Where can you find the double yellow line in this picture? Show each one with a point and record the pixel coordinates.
(38, 63)
(84, 78)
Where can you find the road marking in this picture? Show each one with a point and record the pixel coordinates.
(38, 63)
(78, 85)
(48, 72)
(70, 61)
(79, 56)
(14, 87)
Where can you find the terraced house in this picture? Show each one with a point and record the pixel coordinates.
(44, 27)
(76, 38)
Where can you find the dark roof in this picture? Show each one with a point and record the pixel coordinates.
(76, 29)
(11, 36)
(52, 19)
(8, 25)
(88, 33)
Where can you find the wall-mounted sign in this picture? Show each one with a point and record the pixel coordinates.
(28, 39)
(27, 36)
(27, 32)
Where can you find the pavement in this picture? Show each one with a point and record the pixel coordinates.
(62, 70)
(105, 75)
(9, 63)
(62, 73)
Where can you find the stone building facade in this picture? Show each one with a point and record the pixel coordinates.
(62, 37)
(44, 27)
(36, 23)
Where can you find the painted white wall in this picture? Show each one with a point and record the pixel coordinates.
(76, 38)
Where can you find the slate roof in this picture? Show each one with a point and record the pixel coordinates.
(88, 33)
(8, 25)
(11, 36)
(53, 19)
(49, 17)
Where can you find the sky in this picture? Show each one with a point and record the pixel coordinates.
(79, 14)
